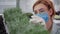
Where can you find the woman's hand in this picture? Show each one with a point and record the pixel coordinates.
(35, 19)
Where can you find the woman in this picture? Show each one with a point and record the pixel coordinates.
(45, 6)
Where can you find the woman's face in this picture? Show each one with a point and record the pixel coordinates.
(43, 8)
(40, 8)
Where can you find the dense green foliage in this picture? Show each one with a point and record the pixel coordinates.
(18, 23)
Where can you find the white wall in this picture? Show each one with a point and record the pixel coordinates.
(56, 4)
(6, 4)
(26, 5)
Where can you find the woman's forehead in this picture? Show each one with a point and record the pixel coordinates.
(40, 6)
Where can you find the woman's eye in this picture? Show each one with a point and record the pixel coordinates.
(41, 10)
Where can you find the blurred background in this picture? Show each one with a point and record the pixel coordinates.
(25, 5)
(6, 4)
